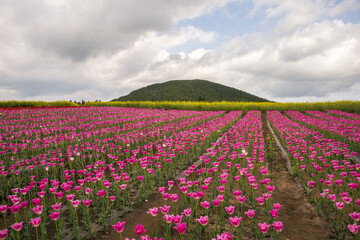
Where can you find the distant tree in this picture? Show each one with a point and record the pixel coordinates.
(201, 99)
(70, 100)
(82, 102)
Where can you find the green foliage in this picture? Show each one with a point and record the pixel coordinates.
(14, 103)
(190, 90)
(348, 106)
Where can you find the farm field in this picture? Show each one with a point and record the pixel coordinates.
(123, 172)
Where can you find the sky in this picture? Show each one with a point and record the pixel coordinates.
(282, 50)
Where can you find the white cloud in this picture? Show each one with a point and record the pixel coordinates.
(88, 49)
(197, 54)
(313, 61)
(295, 14)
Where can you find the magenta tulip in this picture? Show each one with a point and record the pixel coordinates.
(181, 227)
(119, 227)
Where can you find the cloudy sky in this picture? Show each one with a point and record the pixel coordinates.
(283, 50)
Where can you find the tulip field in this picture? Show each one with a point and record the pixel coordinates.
(137, 173)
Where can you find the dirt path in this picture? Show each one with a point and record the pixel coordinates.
(300, 219)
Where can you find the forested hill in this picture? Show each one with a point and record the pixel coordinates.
(190, 90)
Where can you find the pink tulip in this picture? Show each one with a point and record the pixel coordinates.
(153, 211)
(70, 197)
(230, 209)
(174, 197)
(55, 215)
(215, 202)
(221, 188)
(224, 236)
(166, 196)
(203, 220)
(87, 202)
(17, 226)
(205, 204)
(339, 205)
(332, 197)
(277, 206)
(270, 188)
(184, 189)
(250, 213)
(347, 200)
(278, 226)
(267, 195)
(59, 194)
(119, 227)
(41, 194)
(181, 227)
(88, 191)
(354, 228)
(36, 201)
(101, 193)
(177, 219)
(221, 198)
(164, 209)
(24, 204)
(355, 216)
(56, 206)
(274, 213)
(260, 200)
(344, 194)
(168, 218)
(107, 184)
(187, 212)
(235, 221)
(38, 210)
(3, 234)
(311, 184)
(15, 208)
(264, 227)
(139, 229)
(207, 181)
(3, 208)
(35, 221)
(15, 200)
(75, 203)
(240, 199)
(237, 193)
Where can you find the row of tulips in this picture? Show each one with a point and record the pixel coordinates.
(91, 178)
(228, 196)
(344, 114)
(324, 167)
(349, 132)
(334, 119)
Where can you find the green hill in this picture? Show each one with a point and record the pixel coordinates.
(189, 90)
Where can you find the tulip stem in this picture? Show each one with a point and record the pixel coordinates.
(5, 220)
